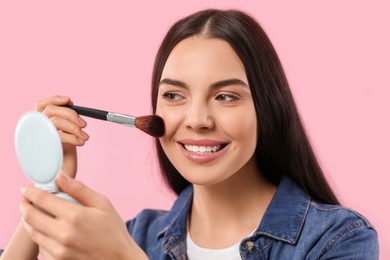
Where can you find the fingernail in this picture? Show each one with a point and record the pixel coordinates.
(63, 97)
(22, 190)
(82, 121)
(80, 141)
(85, 135)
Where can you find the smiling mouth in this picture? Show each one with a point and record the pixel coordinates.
(200, 149)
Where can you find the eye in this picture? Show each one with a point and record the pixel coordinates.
(226, 98)
(171, 96)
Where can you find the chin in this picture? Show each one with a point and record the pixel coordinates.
(204, 179)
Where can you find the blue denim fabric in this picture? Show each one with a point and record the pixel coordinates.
(293, 227)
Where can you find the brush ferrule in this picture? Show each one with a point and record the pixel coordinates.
(121, 119)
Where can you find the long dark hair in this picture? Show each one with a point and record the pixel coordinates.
(283, 147)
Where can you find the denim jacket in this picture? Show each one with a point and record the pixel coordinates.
(293, 227)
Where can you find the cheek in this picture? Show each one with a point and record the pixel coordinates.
(240, 125)
(172, 119)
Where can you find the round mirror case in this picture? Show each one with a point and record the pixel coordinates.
(39, 151)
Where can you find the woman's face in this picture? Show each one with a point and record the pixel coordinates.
(210, 119)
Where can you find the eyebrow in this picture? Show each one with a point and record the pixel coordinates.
(218, 84)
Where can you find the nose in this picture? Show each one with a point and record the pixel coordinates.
(199, 117)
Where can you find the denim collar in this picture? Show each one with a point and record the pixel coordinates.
(174, 226)
(283, 219)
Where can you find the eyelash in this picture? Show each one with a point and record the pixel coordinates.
(170, 96)
(223, 97)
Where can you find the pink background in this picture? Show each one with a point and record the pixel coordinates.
(336, 55)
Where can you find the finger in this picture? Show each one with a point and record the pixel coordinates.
(71, 139)
(52, 249)
(47, 244)
(36, 218)
(57, 207)
(82, 193)
(56, 100)
(69, 127)
(53, 110)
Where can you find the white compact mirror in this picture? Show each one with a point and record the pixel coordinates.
(39, 151)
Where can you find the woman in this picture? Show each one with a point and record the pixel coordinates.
(234, 151)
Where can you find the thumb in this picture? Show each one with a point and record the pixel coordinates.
(80, 192)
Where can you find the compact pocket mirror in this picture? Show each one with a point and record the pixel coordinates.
(39, 151)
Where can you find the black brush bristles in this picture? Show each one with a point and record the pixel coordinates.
(152, 125)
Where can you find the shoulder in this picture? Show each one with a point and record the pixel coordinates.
(343, 231)
(159, 220)
(150, 227)
(145, 229)
(145, 220)
(337, 214)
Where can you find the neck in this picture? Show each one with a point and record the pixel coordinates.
(235, 207)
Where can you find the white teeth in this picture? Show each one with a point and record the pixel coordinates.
(202, 149)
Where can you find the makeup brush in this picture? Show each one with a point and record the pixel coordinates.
(152, 124)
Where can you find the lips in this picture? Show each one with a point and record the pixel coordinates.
(202, 151)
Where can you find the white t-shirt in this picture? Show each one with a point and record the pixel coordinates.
(195, 252)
